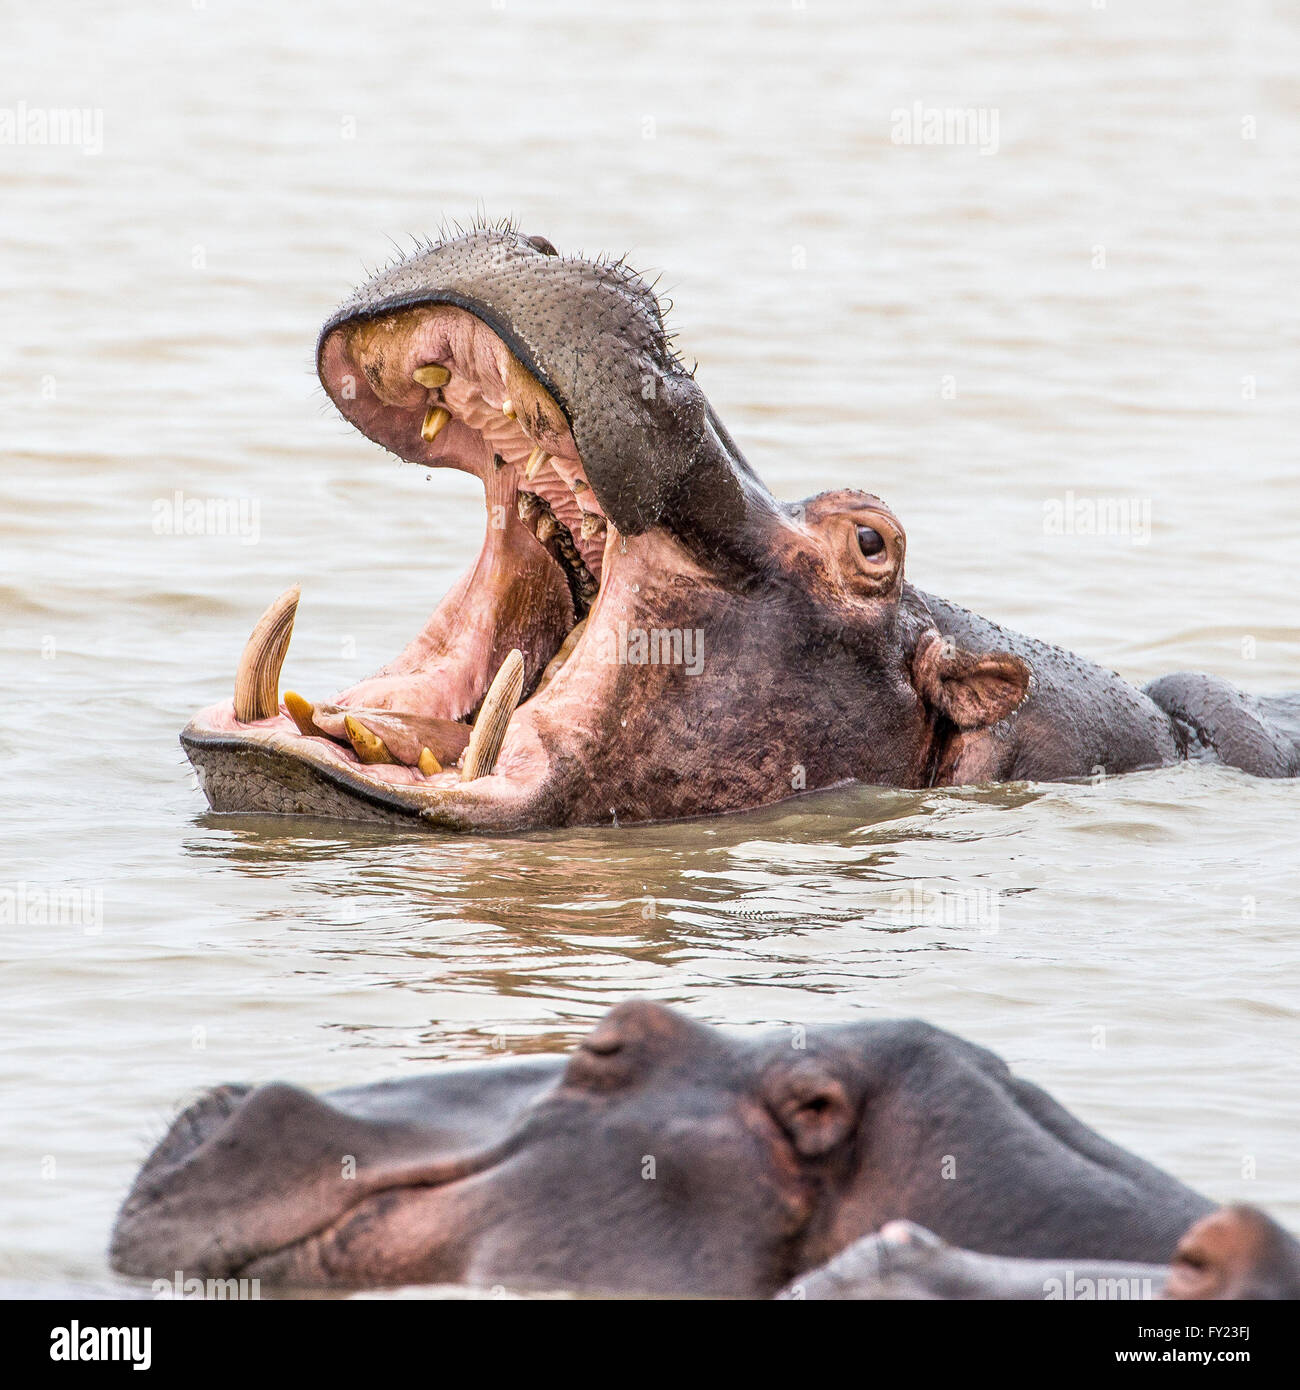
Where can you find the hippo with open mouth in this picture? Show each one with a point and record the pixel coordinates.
(662, 1156)
(647, 633)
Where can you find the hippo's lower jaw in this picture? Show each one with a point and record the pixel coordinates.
(480, 724)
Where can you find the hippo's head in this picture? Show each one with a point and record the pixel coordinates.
(647, 632)
(1237, 1252)
(661, 1156)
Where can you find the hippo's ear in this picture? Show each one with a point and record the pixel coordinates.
(972, 689)
(811, 1105)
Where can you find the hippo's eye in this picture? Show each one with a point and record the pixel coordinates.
(870, 542)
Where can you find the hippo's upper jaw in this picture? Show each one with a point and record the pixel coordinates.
(646, 633)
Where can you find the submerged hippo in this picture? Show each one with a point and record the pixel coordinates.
(661, 1157)
(647, 632)
(1234, 1253)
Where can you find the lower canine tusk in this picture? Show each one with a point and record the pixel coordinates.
(494, 718)
(257, 677)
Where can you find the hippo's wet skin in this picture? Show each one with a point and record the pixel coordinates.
(661, 1156)
(647, 632)
(1234, 1253)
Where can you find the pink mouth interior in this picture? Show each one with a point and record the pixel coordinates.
(523, 592)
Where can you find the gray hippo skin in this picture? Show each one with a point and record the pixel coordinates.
(1234, 1253)
(662, 1156)
(648, 633)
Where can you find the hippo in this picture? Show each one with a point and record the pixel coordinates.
(647, 633)
(662, 1156)
(1235, 1253)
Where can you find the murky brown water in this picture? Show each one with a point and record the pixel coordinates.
(1103, 306)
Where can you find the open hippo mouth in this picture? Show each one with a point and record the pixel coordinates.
(552, 381)
(646, 633)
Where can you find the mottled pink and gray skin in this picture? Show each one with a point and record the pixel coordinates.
(819, 663)
(662, 1156)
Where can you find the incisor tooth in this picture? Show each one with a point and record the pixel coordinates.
(536, 460)
(508, 408)
(257, 677)
(494, 718)
(593, 524)
(431, 376)
(370, 748)
(428, 764)
(434, 419)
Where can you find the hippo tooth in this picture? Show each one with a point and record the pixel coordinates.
(434, 419)
(508, 408)
(367, 746)
(494, 718)
(593, 524)
(579, 485)
(257, 677)
(557, 661)
(431, 376)
(536, 460)
(303, 714)
(428, 764)
(547, 527)
(529, 509)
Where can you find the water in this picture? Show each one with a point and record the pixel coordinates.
(926, 321)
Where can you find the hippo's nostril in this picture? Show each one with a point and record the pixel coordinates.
(542, 244)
